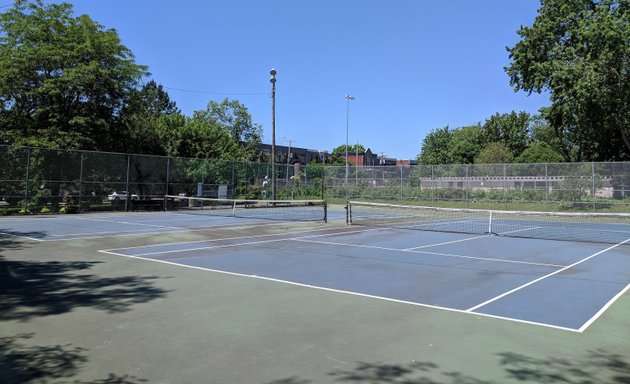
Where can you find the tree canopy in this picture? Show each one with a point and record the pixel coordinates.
(579, 52)
(64, 80)
(68, 82)
(465, 144)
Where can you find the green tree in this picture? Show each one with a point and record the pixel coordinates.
(579, 51)
(435, 147)
(512, 129)
(339, 153)
(465, 143)
(63, 80)
(171, 131)
(233, 118)
(201, 137)
(494, 153)
(539, 152)
(142, 116)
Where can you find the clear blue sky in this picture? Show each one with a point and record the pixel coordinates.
(412, 65)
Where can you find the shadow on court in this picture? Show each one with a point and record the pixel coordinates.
(29, 289)
(595, 367)
(22, 363)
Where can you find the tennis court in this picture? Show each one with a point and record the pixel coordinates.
(199, 296)
(550, 283)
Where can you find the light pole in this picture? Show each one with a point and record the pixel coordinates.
(273, 133)
(348, 97)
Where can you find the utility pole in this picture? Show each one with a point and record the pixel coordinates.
(273, 133)
(348, 98)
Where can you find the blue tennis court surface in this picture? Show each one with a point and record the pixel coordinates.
(65, 227)
(558, 284)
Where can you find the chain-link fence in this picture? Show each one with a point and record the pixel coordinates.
(543, 187)
(34, 180)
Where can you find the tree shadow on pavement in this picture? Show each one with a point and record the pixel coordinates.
(598, 366)
(37, 288)
(594, 367)
(416, 372)
(21, 363)
(30, 289)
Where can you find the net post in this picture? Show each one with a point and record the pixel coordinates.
(234, 208)
(348, 221)
(325, 212)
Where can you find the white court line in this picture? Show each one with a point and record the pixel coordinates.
(219, 246)
(306, 239)
(544, 277)
(80, 234)
(604, 308)
(250, 237)
(447, 242)
(186, 219)
(343, 292)
(21, 236)
(127, 222)
(431, 253)
(518, 230)
(139, 233)
(211, 247)
(237, 237)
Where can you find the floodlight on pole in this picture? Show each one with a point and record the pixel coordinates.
(273, 132)
(348, 98)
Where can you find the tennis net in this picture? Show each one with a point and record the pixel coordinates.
(611, 228)
(286, 210)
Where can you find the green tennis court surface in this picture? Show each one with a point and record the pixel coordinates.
(143, 297)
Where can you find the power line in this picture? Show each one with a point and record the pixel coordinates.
(218, 93)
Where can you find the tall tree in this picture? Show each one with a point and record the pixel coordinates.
(339, 153)
(234, 118)
(494, 153)
(512, 129)
(435, 147)
(539, 152)
(465, 143)
(579, 52)
(141, 116)
(63, 79)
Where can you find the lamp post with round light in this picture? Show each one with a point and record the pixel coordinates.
(273, 133)
(348, 98)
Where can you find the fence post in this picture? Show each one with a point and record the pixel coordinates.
(505, 186)
(432, 186)
(467, 186)
(234, 181)
(127, 184)
(593, 184)
(81, 184)
(401, 184)
(546, 186)
(28, 165)
(168, 176)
